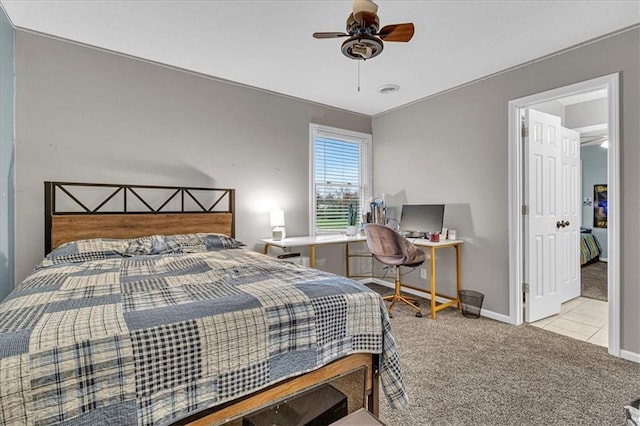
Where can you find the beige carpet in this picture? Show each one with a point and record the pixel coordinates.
(593, 279)
(461, 371)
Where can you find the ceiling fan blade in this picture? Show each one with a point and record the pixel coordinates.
(329, 35)
(396, 32)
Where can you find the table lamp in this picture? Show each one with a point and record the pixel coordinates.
(277, 222)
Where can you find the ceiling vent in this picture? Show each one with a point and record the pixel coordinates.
(388, 89)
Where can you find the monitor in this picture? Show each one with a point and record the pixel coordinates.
(417, 220)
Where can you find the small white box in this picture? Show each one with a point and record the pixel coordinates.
(299, 260)
(632, 413)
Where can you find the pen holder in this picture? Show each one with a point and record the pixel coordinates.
(434, 237)
(378, 214)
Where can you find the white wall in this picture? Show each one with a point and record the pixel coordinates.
(7, 155)
(452, 148)
(85, 115)
(593, 159)
(587, 113)
(551, 107)
(594, 172)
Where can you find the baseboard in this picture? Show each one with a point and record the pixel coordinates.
(630, 356)
(495, 316)
(418, 293)
(483, 312)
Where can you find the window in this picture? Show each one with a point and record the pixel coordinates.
(340, 176)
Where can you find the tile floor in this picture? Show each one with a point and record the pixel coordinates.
(581, 318)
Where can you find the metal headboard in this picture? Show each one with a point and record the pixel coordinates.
(75, 220)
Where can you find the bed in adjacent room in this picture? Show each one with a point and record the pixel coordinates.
(123, 327)
(590, 248)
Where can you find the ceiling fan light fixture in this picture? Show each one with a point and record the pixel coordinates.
(362, 47)
(365, 38)
(388, 89)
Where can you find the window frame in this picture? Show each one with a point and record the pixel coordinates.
(365, 173)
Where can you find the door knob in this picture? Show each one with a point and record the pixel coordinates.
(567, 223)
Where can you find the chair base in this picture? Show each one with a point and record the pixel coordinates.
(398, 297)
(412, 302)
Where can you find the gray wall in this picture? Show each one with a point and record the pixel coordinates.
(7, 36)
(86, 115)
(91, 116)
(452, 148)
(594, 172)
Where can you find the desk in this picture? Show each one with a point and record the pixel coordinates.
(319, 240)
(452, 300)
(312, 241)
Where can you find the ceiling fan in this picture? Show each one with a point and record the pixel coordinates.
(365, 36)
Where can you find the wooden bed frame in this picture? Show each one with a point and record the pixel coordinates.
(295, 386)
(64, 224)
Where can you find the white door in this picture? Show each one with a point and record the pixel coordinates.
(541, 193)
(571, 215)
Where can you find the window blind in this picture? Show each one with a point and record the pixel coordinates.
(341, 178)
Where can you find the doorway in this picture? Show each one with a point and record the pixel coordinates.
(518, 219)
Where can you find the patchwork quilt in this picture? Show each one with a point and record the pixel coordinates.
(155, 329)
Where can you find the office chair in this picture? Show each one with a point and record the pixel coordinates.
(390, 248)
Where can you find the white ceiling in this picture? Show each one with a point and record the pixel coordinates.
(268, 44)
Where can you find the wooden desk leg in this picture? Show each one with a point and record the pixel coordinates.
(312, 255)
(265, 250)
(457, 247)
(433, 283)
(346, 257)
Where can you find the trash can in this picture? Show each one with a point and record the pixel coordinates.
(632, 413)
(471, 302)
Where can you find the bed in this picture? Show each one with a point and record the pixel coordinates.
(590, 248)
(119, 326)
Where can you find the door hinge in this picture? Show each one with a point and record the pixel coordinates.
(525, 131)
(525, 210)
(525, 288)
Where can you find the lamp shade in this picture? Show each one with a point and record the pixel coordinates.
(277, 217)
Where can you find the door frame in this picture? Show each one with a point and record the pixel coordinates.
(516, 197)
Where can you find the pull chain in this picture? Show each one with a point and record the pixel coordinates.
(358, 75)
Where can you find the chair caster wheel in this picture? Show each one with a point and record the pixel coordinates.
(419, 314)
(416, 303)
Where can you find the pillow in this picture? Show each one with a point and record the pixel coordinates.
(185, 243)
(197, 243)
(106, 248)
(85, 250)
(154, 244)
(584, 230)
